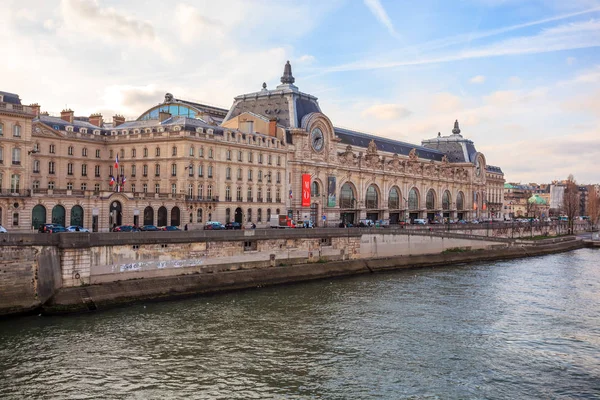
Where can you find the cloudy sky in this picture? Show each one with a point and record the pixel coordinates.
(521, 76)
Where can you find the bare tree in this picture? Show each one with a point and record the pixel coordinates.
(593, 205)
(571, 201)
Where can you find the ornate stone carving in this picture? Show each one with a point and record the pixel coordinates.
(348, 157)
(413, 155)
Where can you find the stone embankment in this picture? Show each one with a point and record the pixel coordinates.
(80, 272)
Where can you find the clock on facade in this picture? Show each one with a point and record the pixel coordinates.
(317, 139)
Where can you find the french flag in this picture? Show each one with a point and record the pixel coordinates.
(291, 194)
(112, 181)
(117, 163)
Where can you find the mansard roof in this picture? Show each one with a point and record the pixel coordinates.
(456, 148)
(495, 169)
(60, 124)
(11, 98)
(360, 139)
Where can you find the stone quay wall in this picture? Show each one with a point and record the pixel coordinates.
(37, 269)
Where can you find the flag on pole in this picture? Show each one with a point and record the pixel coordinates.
(117, 163)
(112, 181)
(123, 180)
(291, 194)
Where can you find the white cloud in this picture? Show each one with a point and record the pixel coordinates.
(445, 103)
(571, 60)
(306, 59)
(379, 12)
(477, 79)
(387, 112)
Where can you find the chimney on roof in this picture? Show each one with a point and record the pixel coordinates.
(67, 115)
(118, 120)
(96, 119)
(273, 127)
(35, 107)
(163, 115)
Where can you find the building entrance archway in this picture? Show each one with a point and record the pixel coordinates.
(38, 216)
(162, 216)
(115, 214)
(58, 215)
(148, 216)
(238, 215)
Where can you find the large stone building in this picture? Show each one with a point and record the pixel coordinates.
(273, 152)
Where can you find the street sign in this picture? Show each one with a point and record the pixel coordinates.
(324, 217)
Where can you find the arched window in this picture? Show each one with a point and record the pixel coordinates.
(268, 214)
(430, 200)
(314, 189)
(446, 199)
(372, 198)
(460, 201)
(394, 199)
(199, 215)
(413, 199)
(347, 197)
(249, 215)
(227, 215)
(259, 215)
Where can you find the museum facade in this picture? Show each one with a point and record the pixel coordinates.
(273, 152)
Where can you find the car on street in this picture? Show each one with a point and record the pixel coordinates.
(419, 221)
(48, 228)
(149, 228)
(77, 228)
(170, 228)
(125, 228)
(58, 229)
(213, 226)
(3, 229)
(233, 225)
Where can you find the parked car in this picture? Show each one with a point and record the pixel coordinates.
(3, 229)
(77, 228)
(47, 228)
(149, 228)
(232, 225)
(170, 228)
(419, 221)
(57, 229)
(125, 228)
(213, 226)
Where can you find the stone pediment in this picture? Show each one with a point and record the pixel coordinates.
(44, 130)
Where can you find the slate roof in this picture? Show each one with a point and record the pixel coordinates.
(360, 139)
(11, 98)
(60, 124)
(492, 168)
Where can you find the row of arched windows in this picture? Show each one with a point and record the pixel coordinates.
(348, 198)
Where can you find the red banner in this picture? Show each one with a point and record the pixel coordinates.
(305, 190)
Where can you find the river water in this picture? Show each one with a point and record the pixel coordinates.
(519, 329)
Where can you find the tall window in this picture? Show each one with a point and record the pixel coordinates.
(446, 200)
(371, 200)
(174, 151)
(347, 198)
(191, 170)
(269, 195)
(460, 201)
(190, 191)
(52, 149)
(248, 194)
(260, 174)
(15, 182)
(430, 200)
(191, 151)
(97, 187)
(69, 185)
(133, 153)
(260, 158)
(209, 192)
(84, 152)
(70, 150)
(84, 186)
(200, 170)
(278, 177)
(122, 153)
(145, 188)
(278, 160)
(1, 129)
(249, 215)
(157, 188)
(269, 159)
(50, 185)
(70, 169)
(250, 157)
(1, 155)
(16, 156)
(83, 169)
(145, 170)
(210, 171)
(173, 188)
(133, 171)
(228, 155)
(157, 153)
(36, 166)
(201, 152)
(210, 153)
(259, 215)
(413, 199)
(228, 173)
(133, 188)
(51, 167)
(145, 152)
(239, 175)
(259, 197)
(227, 193)
(157, 170)
(239, 157)
(278, 195)
(200, 191)
(97, 153)
(173, 169)
(17, 130)
(394, 199)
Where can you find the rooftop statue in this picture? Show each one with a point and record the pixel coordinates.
(456, 129)
(287, 74)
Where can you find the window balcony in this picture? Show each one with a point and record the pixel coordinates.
(15, 193)
(16, 162)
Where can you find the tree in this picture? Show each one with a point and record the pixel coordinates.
(571, 201)
(593, 205)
